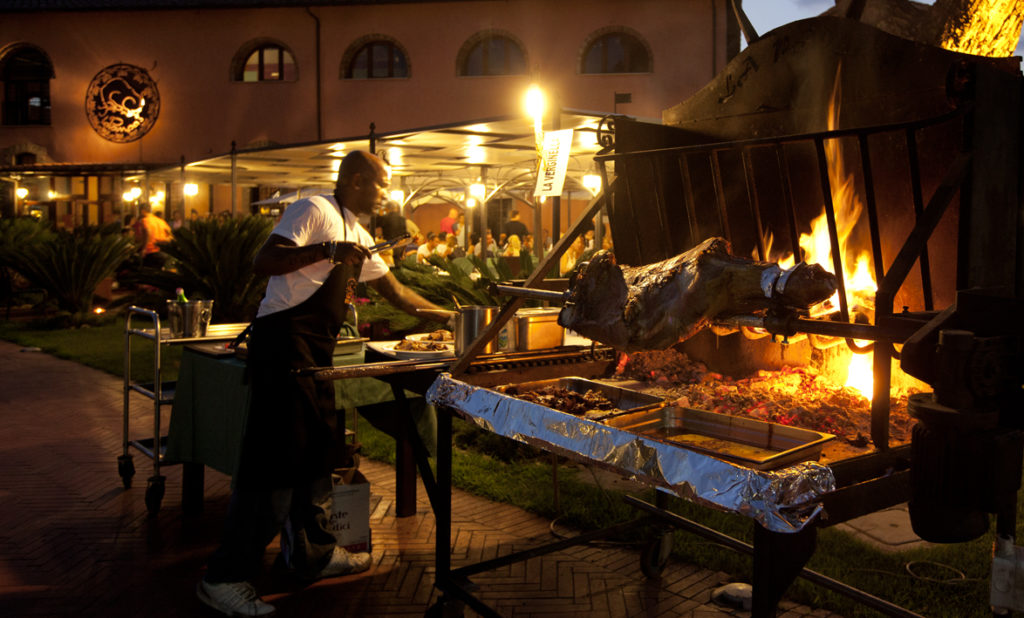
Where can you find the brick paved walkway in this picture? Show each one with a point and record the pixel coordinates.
(74, 542)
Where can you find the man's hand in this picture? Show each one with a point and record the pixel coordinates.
(279, 255)
(346, 253)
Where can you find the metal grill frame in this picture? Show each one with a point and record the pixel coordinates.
(668, 174)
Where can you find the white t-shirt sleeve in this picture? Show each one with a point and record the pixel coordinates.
(301, 222)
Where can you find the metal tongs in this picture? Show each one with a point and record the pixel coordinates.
(534, 293)
(398, 241)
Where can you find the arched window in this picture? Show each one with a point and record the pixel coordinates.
(26, 73)
(264, 61)
(374, 57)
(617, 51)
(491, 53)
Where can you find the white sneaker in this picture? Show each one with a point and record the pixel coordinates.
(344, 562)
(233, 599)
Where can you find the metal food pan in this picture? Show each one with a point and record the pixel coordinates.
(538, 329)
(757, 444)
(623, 399)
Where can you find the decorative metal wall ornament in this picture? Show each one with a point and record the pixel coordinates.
(122, 103)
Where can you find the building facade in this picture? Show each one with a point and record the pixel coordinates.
(93, 94)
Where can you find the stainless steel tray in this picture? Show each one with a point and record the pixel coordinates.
(758, 444)
(624, 399)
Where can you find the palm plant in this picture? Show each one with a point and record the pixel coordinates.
(69, 265)
(213, 259)
(17, 235)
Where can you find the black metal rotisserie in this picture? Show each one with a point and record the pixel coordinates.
(932, 144)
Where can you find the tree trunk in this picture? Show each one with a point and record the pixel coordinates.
(980, 27)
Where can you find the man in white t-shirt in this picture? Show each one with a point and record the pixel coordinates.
(428, 248)
(314, 256)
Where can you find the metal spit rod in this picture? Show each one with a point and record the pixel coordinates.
(782, 325)
(790, 325)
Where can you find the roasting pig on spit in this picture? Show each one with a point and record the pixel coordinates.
(657, 305)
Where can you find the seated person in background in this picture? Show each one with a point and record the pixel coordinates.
(527, 244)
(502, 242)
(150, 230)
(572, 255)
(486, 247)
(426, 249)
(443, 248)
(454, 250)
(513, 247)
(606, 242)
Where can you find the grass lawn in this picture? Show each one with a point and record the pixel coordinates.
(947, 580)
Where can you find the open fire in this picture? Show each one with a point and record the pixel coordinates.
(853, 370)
(799, 396)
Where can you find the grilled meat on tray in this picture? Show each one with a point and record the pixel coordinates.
(562, 399)
(658, 305)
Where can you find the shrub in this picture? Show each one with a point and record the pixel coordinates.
(69, 265)
(17, 235)
(213, 259)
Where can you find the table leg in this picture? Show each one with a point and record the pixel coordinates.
(192, 480)
(405, 460)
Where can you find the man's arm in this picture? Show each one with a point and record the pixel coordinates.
(406, 299)
(279, 255)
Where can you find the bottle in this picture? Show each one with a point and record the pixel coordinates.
(181, 295)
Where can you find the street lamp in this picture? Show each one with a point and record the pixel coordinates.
(535, 103)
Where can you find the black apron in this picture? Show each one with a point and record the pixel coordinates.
(292, 435)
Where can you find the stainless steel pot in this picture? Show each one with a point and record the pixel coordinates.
(472, 320)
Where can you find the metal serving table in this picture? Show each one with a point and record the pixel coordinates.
(160, 391)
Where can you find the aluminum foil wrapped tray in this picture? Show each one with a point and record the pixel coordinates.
(782, 500)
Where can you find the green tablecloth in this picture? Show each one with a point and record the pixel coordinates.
(211, 401)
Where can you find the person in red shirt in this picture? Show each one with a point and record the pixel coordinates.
(150, 230)
(448, 223)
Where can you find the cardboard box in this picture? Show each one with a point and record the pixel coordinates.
(350, 511)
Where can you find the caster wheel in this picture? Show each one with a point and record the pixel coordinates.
(126, 469)
(655, 555)
(154, 494)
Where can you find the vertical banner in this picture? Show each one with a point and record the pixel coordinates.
(553, 163)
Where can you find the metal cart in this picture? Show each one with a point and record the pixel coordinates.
(159, 391)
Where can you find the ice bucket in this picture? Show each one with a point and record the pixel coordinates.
(189, 319)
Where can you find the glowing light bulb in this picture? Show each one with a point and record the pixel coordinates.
(592, 183)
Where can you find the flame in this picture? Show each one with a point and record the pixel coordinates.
(817, 247)
(847, 205)
(860, 374)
